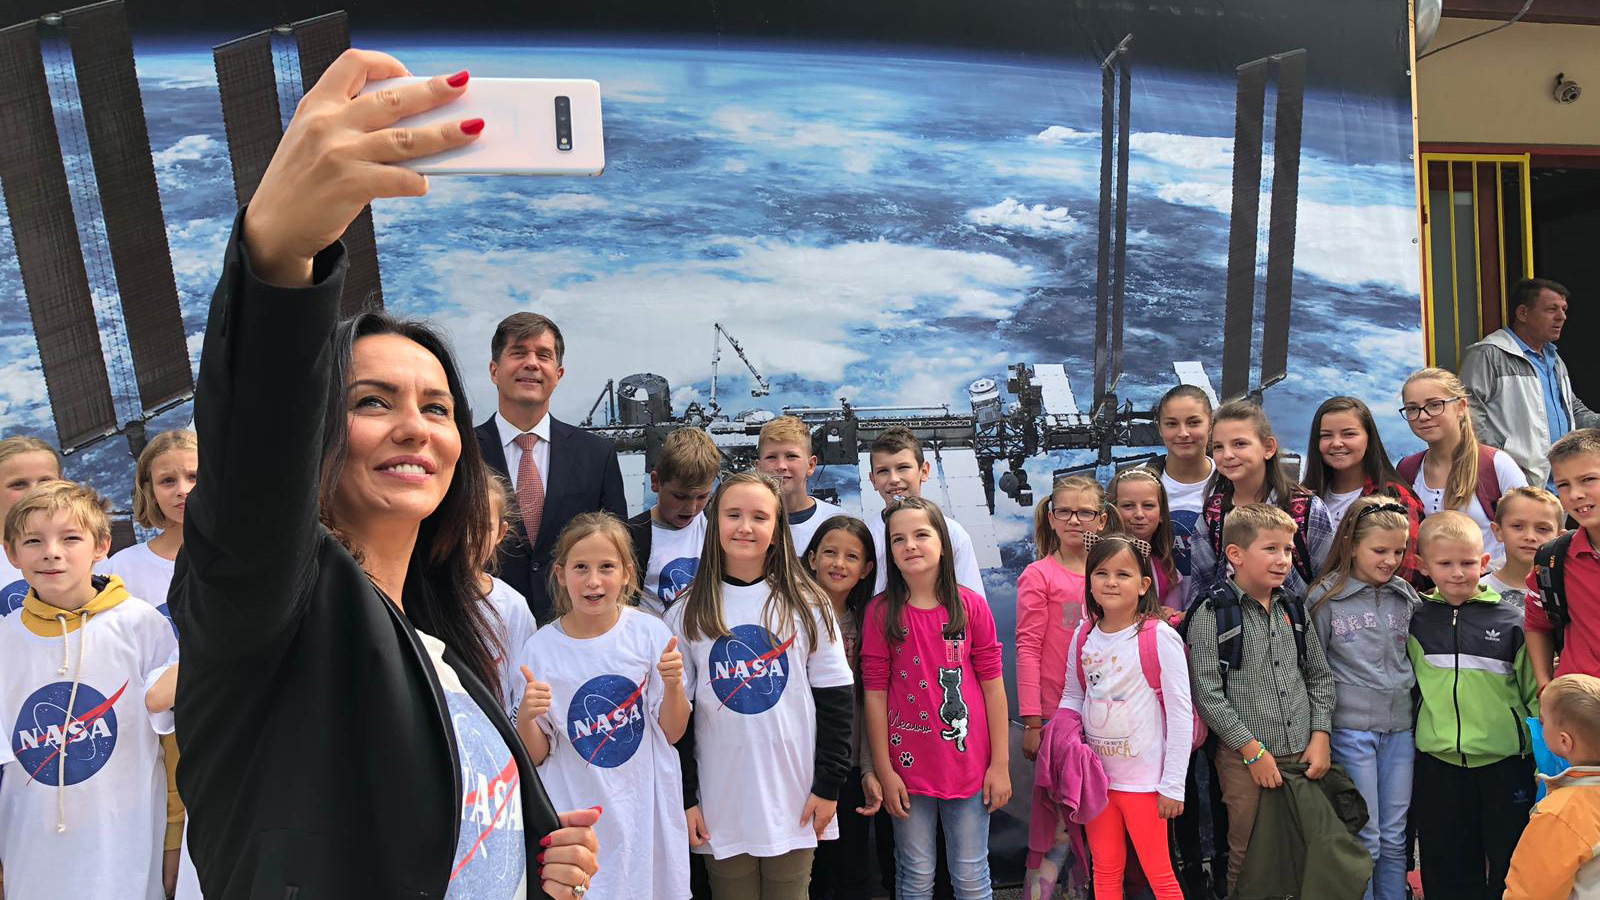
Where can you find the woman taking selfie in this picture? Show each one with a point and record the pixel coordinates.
(338, 703)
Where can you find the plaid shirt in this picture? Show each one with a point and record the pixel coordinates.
(1269, 697)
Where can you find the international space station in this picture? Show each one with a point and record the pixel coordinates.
(1035, 409)
(1030, 410)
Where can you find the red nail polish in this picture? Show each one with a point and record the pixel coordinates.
(598, 810)
(472, 126)
(458, 79)
(544, 841)
(539, 859)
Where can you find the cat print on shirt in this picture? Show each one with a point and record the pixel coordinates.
(954, 709)
(1107, 730)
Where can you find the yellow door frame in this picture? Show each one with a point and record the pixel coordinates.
(1521, 160)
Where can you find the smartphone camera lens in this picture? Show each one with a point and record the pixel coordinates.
(563, 123)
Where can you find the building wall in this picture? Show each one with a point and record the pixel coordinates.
(1497, 89)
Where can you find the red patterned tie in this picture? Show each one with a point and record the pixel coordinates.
(530, 491)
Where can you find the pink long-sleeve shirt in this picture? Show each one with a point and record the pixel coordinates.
(1049, 608)
(938, 721)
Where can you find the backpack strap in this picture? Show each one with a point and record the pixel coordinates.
(1230, 628)
(1078, 637)
(1549, 566)
(1295, 607)
(1488, 492)
(1212, 513)
(1300, 512)
(1150, 658)
(1409, 467)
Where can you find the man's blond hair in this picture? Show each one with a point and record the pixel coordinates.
(1449, 525)
(1574, 702)
(1246, 523)
(784, 430)
(84, 504)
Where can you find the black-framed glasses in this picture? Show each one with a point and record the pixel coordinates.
(1430, 409)
(1074, 515)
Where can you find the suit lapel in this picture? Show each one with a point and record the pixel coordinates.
(489, 444)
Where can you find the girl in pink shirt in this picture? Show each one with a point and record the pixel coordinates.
(936, 707)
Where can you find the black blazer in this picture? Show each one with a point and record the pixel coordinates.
(584, 476)
(317, 758)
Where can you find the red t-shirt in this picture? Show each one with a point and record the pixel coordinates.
(1580, 653)
(938, 723)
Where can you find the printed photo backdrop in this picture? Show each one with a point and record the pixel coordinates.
(872, 219)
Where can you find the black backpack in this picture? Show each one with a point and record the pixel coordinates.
(1549, 566)
(1230, 626)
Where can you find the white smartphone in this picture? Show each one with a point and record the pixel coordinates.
(533, 126)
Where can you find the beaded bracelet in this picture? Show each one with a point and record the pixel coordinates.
(1261, 750)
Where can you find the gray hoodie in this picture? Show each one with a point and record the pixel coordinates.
(1363, 629)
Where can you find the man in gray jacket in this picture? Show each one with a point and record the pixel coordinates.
(1522, 398)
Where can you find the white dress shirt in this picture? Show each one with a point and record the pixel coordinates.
(541, 449)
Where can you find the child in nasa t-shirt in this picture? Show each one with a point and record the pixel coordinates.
(82, 796)
(772, 696)
(601, 728)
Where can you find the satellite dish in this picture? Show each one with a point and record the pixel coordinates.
(1428, 13)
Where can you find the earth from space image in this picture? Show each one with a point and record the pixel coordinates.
(880, 225)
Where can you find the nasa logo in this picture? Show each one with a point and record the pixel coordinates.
(11, 596)
(676, 577)
(45, 735)
(605, 720)
(491, 858)
(749, 670)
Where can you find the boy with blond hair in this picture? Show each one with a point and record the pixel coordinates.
(784, 451)
(1258, 673)
(1474, 770)
(83, 792)
(898, 469)
(1556, 857)
(1563, 612)
(668, 537)
(1525, 519)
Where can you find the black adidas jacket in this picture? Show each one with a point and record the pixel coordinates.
(317, 759)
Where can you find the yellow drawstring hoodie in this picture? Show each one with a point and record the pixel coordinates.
(46, 621)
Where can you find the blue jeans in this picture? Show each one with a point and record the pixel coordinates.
(1380, 765)
(966, 841)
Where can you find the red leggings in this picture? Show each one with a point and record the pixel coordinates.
(1128, 815)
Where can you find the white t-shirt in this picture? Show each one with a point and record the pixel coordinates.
(1122, 717)
(1515, 594)
(1338, 504)
(607, 748)
(968, 575)
(147, 575)
(1510, 476)
(1185, 502)
(516, 626)
(491, 858)
(756, 726)
(674, 558)
(811, 520)
(13, 587)
(115, 794)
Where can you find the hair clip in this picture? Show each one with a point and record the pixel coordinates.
(1140, 546)
(1382, 507)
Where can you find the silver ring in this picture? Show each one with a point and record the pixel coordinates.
(580, 890)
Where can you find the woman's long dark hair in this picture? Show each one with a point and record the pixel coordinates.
(1375, 465)
(898, 592)
(442, 596)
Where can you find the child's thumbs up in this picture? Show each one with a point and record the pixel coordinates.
(671, 664)
(535, 698)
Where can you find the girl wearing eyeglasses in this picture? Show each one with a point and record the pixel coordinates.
(1455, 472)
(1361, 609)
(1049, 606)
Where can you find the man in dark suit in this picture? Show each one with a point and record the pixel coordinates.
(556, 470)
